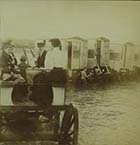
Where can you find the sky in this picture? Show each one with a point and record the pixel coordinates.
(37, 19)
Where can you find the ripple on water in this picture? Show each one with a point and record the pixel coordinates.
(108, 116)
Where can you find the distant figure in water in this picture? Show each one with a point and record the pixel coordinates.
(84, 76)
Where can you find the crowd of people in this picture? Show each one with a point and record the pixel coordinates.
(87, 76)
(49, 56)
(49, 60)
(102, 76)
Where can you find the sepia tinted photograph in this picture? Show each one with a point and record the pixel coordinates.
(69, 72)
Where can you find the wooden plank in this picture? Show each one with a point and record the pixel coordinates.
(29, 108)
(30, 143)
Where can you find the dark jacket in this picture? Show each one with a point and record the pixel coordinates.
(7, 60)
(42, 92)
(41, 59)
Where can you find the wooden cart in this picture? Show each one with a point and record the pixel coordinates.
(54, 124)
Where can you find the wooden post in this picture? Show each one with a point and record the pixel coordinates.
(125, 52)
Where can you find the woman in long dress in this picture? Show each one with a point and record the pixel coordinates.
(46, 84)
(56, 64)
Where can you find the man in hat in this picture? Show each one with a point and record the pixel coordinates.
(42, 54)
(8, 60)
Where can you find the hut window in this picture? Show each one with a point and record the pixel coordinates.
(90, 53)
(98, 44)
(114, 56)
(76, 54)
(136, 57)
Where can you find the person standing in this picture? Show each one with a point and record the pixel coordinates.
(54, 75)
(42, 54)
(56, 64)
(84, 76)
(55, 61)
(41, 90)
(55, 57)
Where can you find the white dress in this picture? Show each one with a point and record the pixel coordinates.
(56, 58)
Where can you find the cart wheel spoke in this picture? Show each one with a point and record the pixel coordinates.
(69, 134)
(70, 125)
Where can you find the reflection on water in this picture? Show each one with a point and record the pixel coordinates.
(108, 116)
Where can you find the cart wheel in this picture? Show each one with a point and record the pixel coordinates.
(69, 127)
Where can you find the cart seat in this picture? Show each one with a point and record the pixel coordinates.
(56, 78)
(58, 89)
(58, 96)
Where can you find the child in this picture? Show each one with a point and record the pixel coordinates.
(23, 66)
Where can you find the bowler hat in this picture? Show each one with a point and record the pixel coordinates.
(41, 43)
